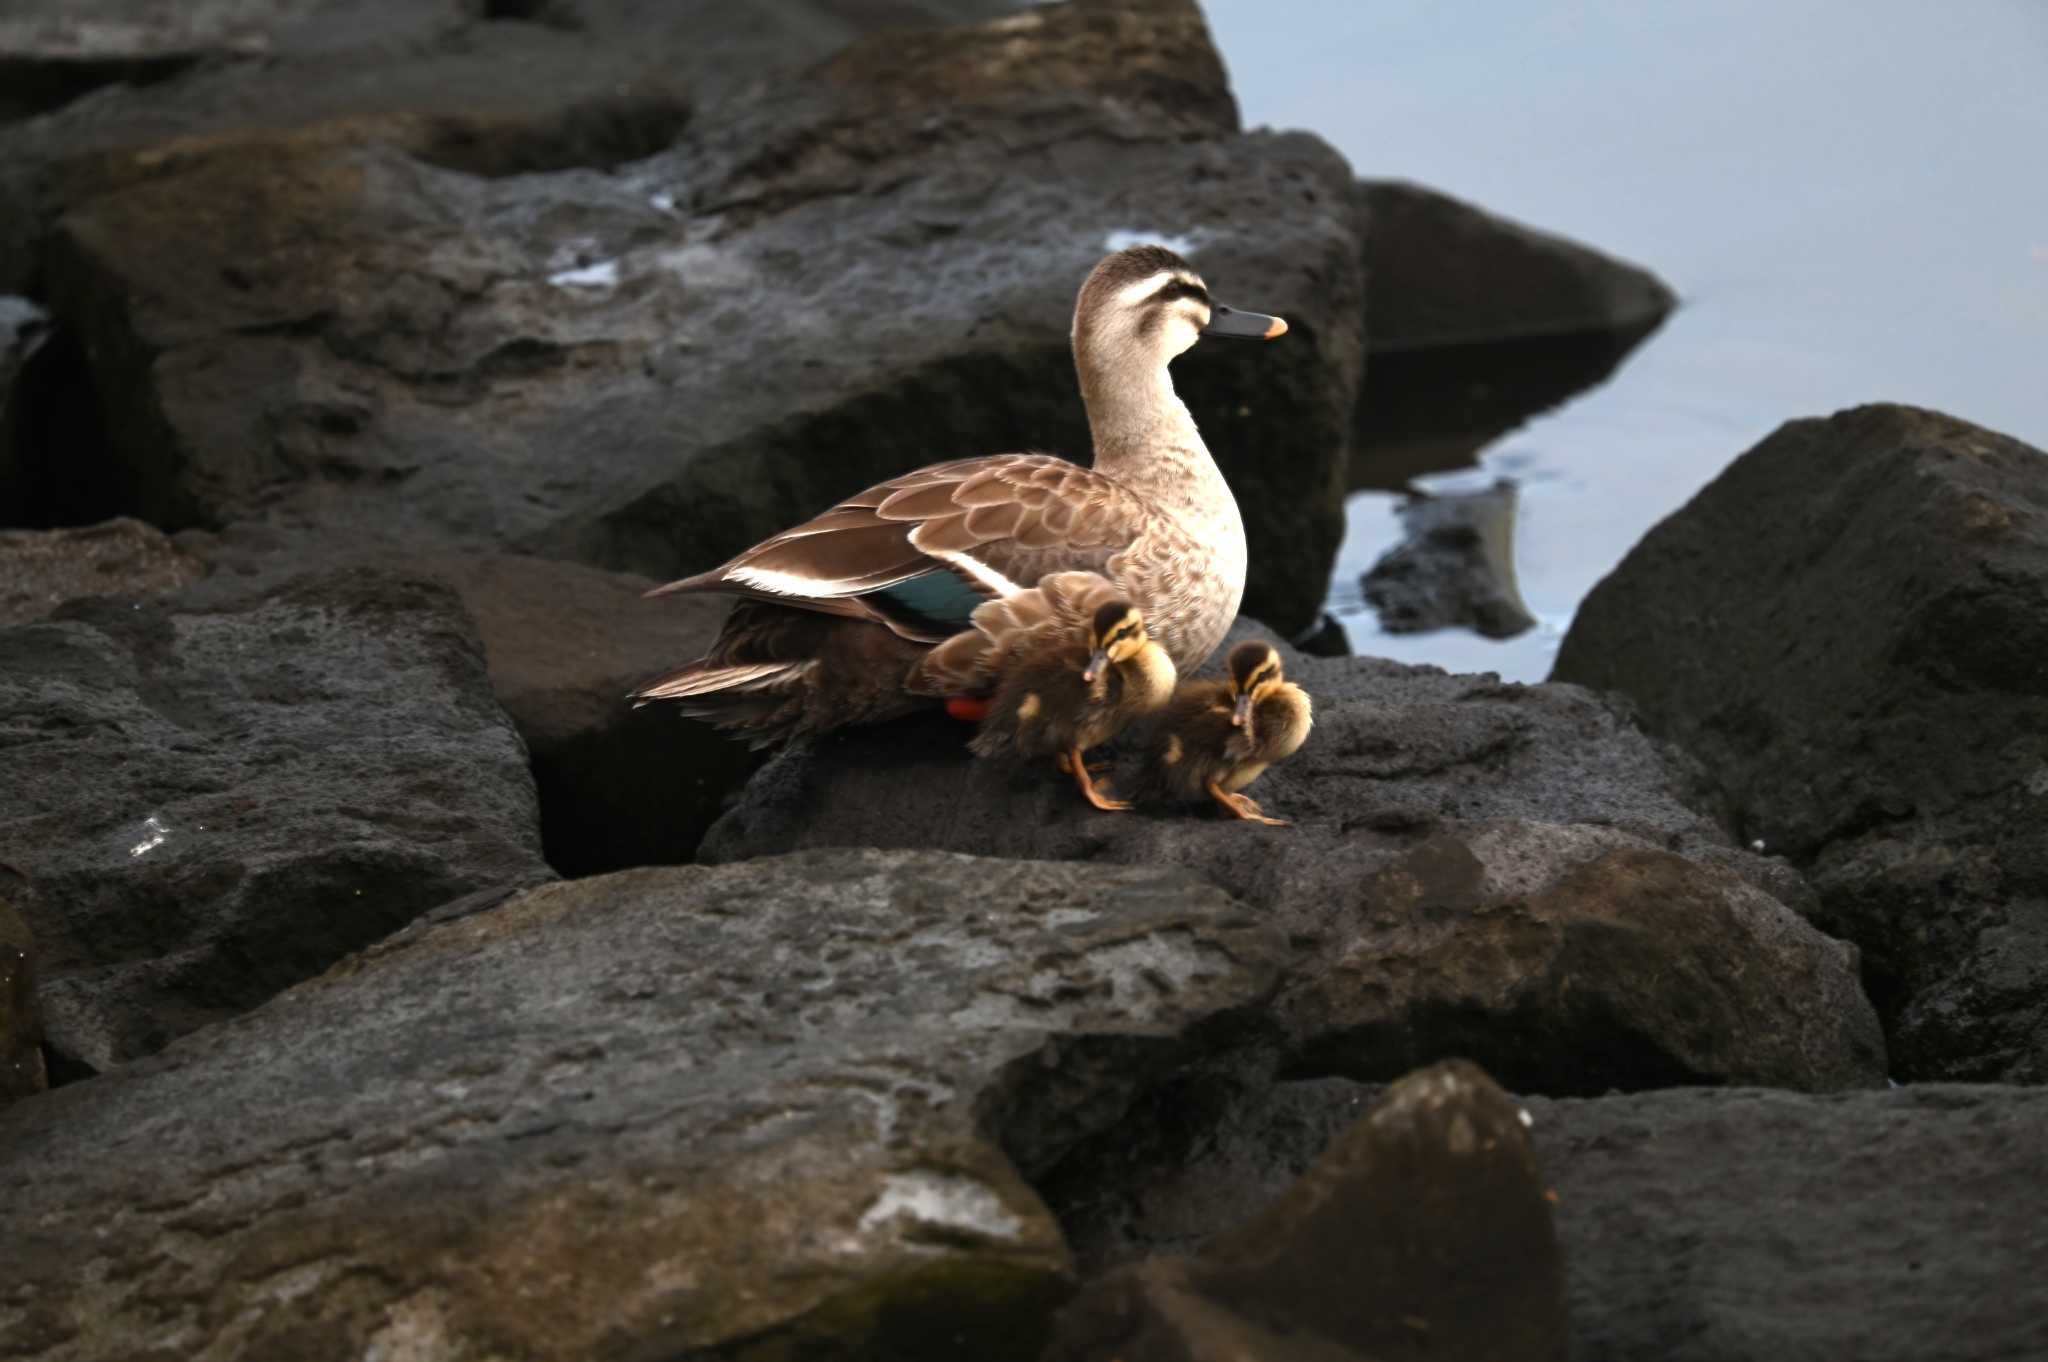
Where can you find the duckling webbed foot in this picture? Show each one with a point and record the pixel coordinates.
(1243, 806)
(1075, 765)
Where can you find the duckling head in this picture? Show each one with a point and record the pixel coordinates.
(1255, 673)
(1143, 306)
(1115, 634)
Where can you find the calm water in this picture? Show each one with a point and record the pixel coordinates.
(1850, 197)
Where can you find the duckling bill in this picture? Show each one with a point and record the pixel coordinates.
(1071, 680)
(1216, 737)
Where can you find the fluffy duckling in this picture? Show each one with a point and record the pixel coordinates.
(1072, 680)
(1216, 737)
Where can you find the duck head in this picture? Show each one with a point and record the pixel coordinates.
(1115, 634)
(1141, 307)
(1255, 673)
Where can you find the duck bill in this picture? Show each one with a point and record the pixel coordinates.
(1229, 321)
(1242, 714)
(1097, 660)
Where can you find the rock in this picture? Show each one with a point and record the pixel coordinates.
(1715, 1225)
(21, 1024)
(216, 803)
(42, 569)
(618, 786)
(23, 329)
(1496, 871)
(1475, 324)
(1422, 1231)
(1448, 273)
(771, 1110)
(1848, 629)
(1455, 568)
(321, 332)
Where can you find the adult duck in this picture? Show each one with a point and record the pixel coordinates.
(839, 615)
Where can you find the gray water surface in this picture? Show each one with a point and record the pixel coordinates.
(1850, 197)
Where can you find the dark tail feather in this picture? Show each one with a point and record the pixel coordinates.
(778, 673)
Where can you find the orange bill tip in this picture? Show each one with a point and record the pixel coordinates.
(1277, 329)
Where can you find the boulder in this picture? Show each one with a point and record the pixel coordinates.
(1476, 868)
(22, 1070)
(1848, 630)
(42, 569)
(1475, 324)
(821, 284)
(784, 1109)
(1713, 1225)
(1423, 1231)
(214, 803)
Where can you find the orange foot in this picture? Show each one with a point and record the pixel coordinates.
(967, 709)
(1243, 806)
(1073, 764)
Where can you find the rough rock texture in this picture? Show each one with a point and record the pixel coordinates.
(42, 569)
(1423, 1231)
(1498, 871)
(1454, 568)
(212, 804)
(1849, 630)
(1698, 1225)
(822, 283)
(761, 1111)
(21, 1023)
(618, 786)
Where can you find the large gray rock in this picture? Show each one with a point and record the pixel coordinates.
(1480, 869)
(1848, 629)
(1698, 1225)
(1423, 1231)
(213, 803)
(42, 569)
(823, 283)
(771, 1110)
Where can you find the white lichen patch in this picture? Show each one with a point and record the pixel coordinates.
(1180, 243)
(602, 275)
(2037, 783)
(154, 835)
(945, 1200)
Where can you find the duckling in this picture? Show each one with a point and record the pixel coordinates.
(1216, 737)
(838, 617)
(1072, 680)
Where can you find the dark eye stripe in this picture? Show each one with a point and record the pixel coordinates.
(1174, 289)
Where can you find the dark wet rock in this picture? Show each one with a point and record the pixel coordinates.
(1475, 324)
(771, 1110)
(618, 786)
(821, 284)
(1325, 638)
(1497, 871)
(1455, 568)
(565, 644)
(42, 569)
(1423, 1231)
(21, 1025)
(1848, 629)
(1712, 1225)
(24, 327)
(214, 803)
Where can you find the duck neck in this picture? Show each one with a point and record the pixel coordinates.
(1146, 439)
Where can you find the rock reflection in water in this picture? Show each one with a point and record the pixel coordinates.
(1455, 568)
